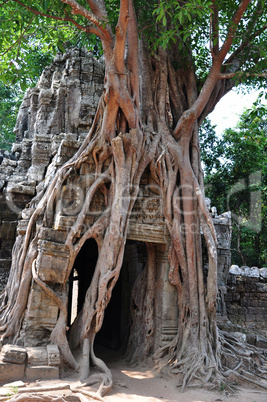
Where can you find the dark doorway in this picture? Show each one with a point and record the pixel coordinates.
(116, 327)
(81, 276)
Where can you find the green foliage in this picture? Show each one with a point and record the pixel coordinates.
(167, 23)
(10, 98)
(236, 180)
(28, 42)
(186, 19)
(211, 147)
(187, 23)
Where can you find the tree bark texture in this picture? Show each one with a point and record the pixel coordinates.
(147, 118)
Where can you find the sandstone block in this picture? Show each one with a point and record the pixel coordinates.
(263, 273)
(33, 373)
(53, 355)
(14, 354)
(236, 270)
(11, 372)
(37, 356)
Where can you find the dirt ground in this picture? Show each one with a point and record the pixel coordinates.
(144, 385)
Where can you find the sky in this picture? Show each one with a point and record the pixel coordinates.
(227, 111)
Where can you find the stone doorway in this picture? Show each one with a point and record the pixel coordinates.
(115, 331)
(80, 277)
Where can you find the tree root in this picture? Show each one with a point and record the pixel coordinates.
(203, 370)
(94, 395)
(36, 398)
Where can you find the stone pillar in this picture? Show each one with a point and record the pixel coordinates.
(166, 308)
(223, 229)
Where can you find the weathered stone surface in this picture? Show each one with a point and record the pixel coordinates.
(11, 372)
(14, 354)
(263, 273)
(252, 272)
(53, 355)
(52, 261)
(40, 318)
(236, 270)
(33, 373)
(37, 356)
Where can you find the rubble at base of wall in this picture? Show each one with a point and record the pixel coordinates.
(31, 363)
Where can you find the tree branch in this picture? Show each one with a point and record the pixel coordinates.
(188, 118)
(132, 55)
(87, 29)
(121, 31)
(19, 39)
(98, 8)
(232, 30)
(77, 9)
(241, 74)
(186, 122)
(214, 37)
(36, 12)
(243, 45)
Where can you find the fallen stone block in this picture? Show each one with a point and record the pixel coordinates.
(14, 354)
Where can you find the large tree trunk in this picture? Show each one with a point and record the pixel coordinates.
(156, 128)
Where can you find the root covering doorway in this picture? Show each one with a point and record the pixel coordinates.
(115, 331)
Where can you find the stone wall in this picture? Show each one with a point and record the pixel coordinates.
(246, 298)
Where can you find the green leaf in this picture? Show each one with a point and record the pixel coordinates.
(60, 46)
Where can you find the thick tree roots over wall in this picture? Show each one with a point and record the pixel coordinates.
(160, 133)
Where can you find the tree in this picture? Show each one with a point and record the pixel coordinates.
(236, 180)
(147, 117)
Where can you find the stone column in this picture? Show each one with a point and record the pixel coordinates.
(166, 308)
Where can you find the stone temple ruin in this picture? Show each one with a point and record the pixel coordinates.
(52, 123)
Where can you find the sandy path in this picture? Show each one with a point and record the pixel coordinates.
(144, 385)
